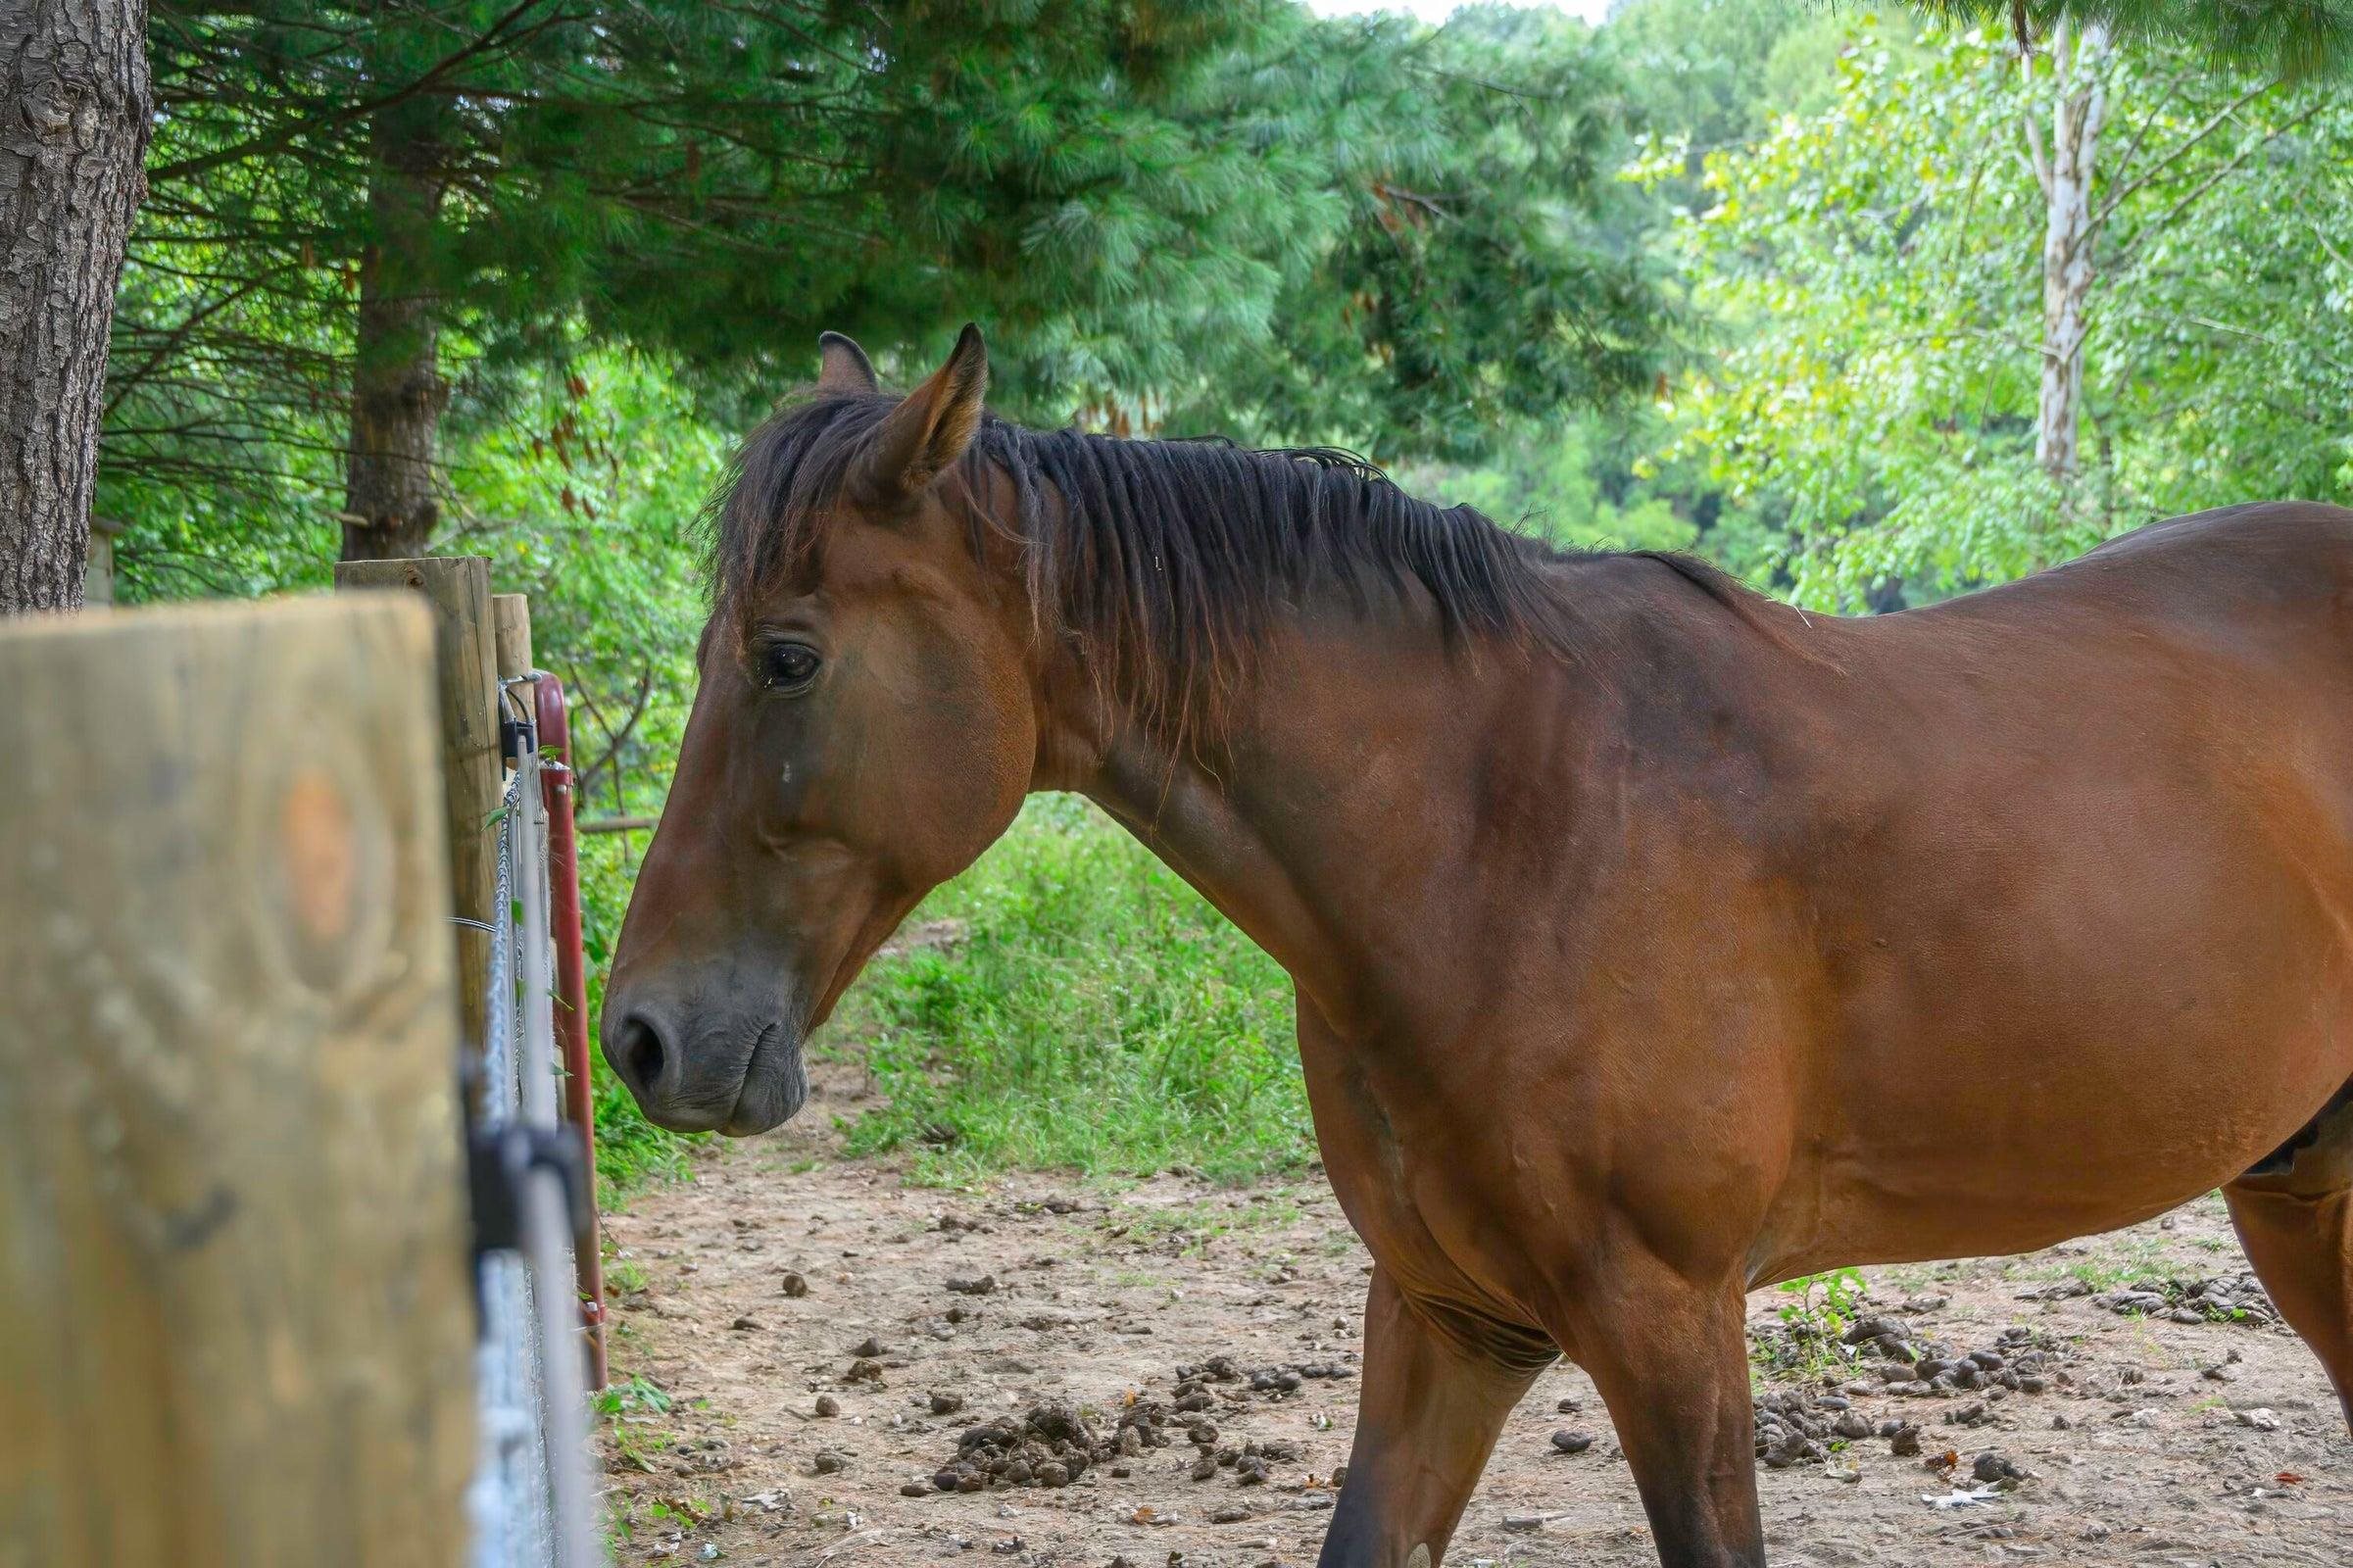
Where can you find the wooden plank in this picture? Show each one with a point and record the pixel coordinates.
(232, 1238)
(511, 633)
(467, 663)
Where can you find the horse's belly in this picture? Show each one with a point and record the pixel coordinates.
(2061, 1134)
(2066, 1019)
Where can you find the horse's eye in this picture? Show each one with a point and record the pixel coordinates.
(787, 667)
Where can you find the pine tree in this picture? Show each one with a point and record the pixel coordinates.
(73, 97)
(2290, 38)
(1215, 209)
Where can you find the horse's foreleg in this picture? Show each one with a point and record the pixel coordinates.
(1433, 1400)
(2296, 1220)
(1671, 1361)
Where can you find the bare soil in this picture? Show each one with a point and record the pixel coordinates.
(2151, 1443)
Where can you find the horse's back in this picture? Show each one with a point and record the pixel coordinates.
(2210, 627)
(2234, 560)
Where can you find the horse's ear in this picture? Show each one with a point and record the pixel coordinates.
(931, 429)
(843, 366)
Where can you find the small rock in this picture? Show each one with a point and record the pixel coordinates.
(827, 1462)
(971, 1283)
(1572, 1442)
(914, 1489)
(1904, 1442)
(1228, 1515)
(743, 1324)
(947, 1404)
(868, 1348)
(1995, 1470)
(2260, 1419)
(827, 1404)
(794, 1283)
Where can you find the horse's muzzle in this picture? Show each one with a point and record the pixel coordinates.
(696, 1072)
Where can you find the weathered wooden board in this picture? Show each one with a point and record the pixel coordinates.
(511, 633)
(466, 666)
(235, 1316)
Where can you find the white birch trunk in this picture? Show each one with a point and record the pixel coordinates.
(2080, 110)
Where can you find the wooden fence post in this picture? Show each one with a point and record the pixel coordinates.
(233, 1237)
(511, 633)
(467, 663)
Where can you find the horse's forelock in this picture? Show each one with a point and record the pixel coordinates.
(767, 519)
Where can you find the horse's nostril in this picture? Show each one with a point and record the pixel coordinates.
(642, 1054)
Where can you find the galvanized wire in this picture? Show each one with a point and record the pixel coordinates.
(531, 1502)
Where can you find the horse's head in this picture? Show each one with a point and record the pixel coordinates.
(865, 726)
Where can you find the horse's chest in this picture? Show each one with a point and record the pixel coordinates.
(1437, 1211)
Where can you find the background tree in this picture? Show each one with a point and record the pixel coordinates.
(73, 107)
(2291, 38)
(1142, 198)
(1875, 267)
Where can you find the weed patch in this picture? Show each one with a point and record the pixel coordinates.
(1096, 1014)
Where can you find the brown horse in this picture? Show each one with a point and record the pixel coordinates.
(1652, 941)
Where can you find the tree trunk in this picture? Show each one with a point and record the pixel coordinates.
(75, 109)
(2080, 110)
(390, 506)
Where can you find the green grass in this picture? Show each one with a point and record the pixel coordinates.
(1099, 1017)
(631, 1151)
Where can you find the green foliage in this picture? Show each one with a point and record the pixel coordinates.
(1821, 1309)
(631, 1151)
(1572, 484)
(2281, 37)
(1712, 75)
(1477, 262)
(1874, 270)
(1222, 213)
(1098, 1014)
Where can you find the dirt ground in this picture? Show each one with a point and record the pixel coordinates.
(2150, 1441)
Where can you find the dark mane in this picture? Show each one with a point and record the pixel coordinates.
(1165, 562)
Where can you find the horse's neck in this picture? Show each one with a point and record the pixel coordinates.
(1334, 804)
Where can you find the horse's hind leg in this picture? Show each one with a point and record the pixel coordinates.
(1434, 1394)
(2294, 1214)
